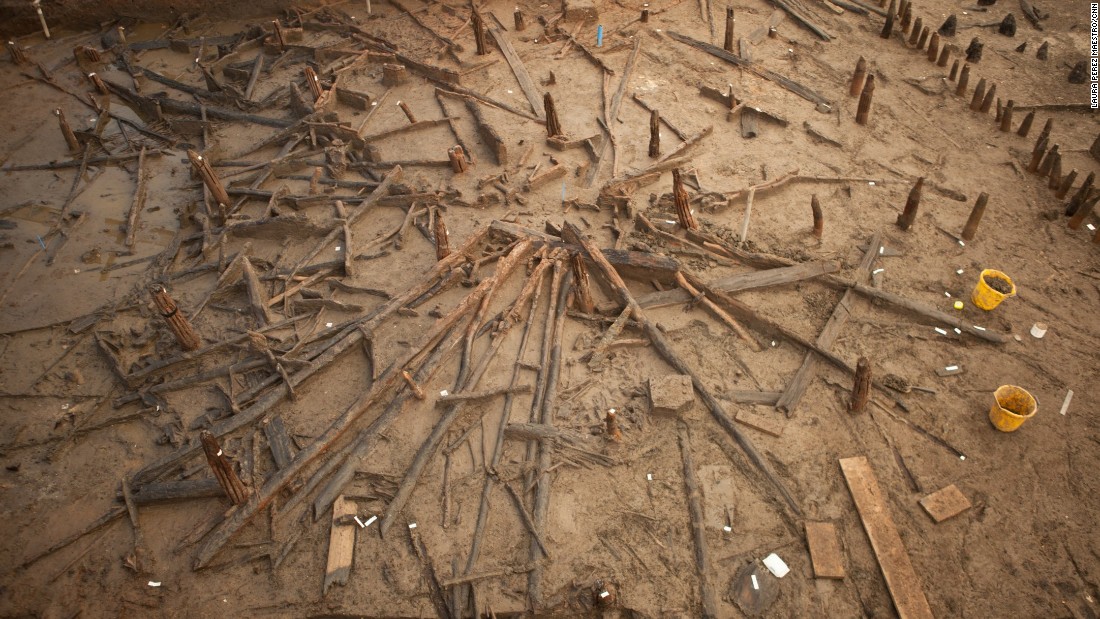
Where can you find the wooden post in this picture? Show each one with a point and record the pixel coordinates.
(223, 469)
(211, 180)
(458, 159)
(553, 128)
(680, 197)
(856, 87)
(1047, 128)
(67, 131)
(1008, 26)
(280, 40)
(479, 33)
(949, 26)
(439, 231)
(954, 70)
(394, 74)
(987, 102)
(979, 96)
(975, 217)
(974, 50)
(865, 100)
(819, 218)
(1006, 116)
(964, 81)
(97, 81)
(1055, 173)
(1066, 184)
(177, 322)
(521, 23)
(18, 56)
(905, 11)
(1094, 150)
(891, 15)
(1079, 197)
(645, 14)
(1083, 211)
(861, 389)
(1037, 155)
(313, 82)
(408, 113)
(923, 40)
(915, 34)
(906, 218)
(654, 134)
(934, 47)
(945, 55)
(728, 43)
(582, 284)
(1048, 161)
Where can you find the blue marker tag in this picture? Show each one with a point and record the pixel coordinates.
(599, 36)
(43, 243)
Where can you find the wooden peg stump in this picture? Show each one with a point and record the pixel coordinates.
(891, 15)
(277, 35)
(553, 127)
(727, 44)
(203, 168)
(945, 55)
(408, 112)
(177, 322)
(1082, 193)
(906, 218)
(1066, 184)
(915, 34)
(979, 96)
(67, 131)
(683, 207)
(975, 218)
(954, 71)
(1006, 116)
(861, 388)
(478, 25)
(521, 23)
(934, 47)
(819, 218)
(97, 81)
(964, 81)
(223, 469)
(864, 110)
(923, 40)
(394, 74)
(858, 77)
(1055, 176)
(313, 82)
(442, 238)
(987, 102)
(654, 134)
(18, 56)
(582, 284)
(458, 159)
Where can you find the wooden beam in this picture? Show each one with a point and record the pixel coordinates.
(341, 545)
(514, 61)
(745, 281)
(893, 560)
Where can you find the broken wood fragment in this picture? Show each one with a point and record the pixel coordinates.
(457, 156)
(683, 205)
(728, 42)
(891, 15)
(177, 322)
(408, 112)
(138, 202)
(855, 88)
(553, 127)
(341, 545)
(909, 215)
(901, 579)
(861, 389)
(478, 25)
(945, 503)
(18, 55)
(582, 284)
(825, 552)
(819, 218)
(698, 526)
(655, 134)
(515, 63)
(394, 74)
(67, 132)
(440, 235)
(205, 172)
(469, 396)
(223, 469)
(520, 22)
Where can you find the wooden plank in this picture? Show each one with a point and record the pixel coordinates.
(945, 503)
(751, 67)
(520, 71)
(763, 423)
(341, 545)
(754, 397)
(745, 281)
(825, 552)
(613, 112)
(893, 560)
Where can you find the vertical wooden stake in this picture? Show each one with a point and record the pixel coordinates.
(313, 82)
(728, 43)
(18, 56)
(439, 231)
(979, 96)
(1025, 126)
(1047, 128)
(934, 47)
(458, 159)
(923, 40)
(954, 70)
(856, 87)
(654, 134)
(1048, 161)
(964, 81)
(865, 97)
(1055, 173)
(975, 217)
(206, 173)
(67, 131)
(223, 469)
(408, 113)
(612, 425)
(394, 74)
(974, 50)
(479, 33)
(97, 81)
(987, 102)
(582, 284)
(553, 128)
(861, 390)
(177, 322)
(905, 11)
(1094, 150)
(1066, 184)
(1079, 197)
(1037, 155)
(906, 218)
(945, 55)
(891, 15)
(645, 14)
(819, 218)
(1083, 211)
(1006, 116)
(521, 23)
(683, 208)
(280, 40)
(915, 34)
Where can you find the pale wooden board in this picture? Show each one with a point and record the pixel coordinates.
(765, 424)
(901, 579)
(825, 551)
(945, 503)
(341, 545)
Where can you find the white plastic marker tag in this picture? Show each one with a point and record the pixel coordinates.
(979, 328)
(755, 583)
(444, 393)
(877, 271)
(359, 522)
(958, 331)
(951, 368)
(604, 594)
(727, 529)
(369, 521)
(219, 452)
(959, 272)
(649, 476)
(776, 565)
(154, 583)
(1091, 227)
(412, 525)
(1065, 403)
(941, 331)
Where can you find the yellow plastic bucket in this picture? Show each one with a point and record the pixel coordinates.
(1012, 406)
(986, 297)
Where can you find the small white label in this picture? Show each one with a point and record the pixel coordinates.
(603, 594)
(369, 521)
(959, 272)
(338, 248)
(979, 328)
(219, 452)
(958, 331)
(611, 410)
(154, 583)
(359, 522)
(755, 583)
(961, 243)
(649, 476)
(881, 249)
(773, 343)
(962, 457)
(871, 183)
(941, 331)
(328, 325)
(1091, 227)
(776, 565)
(444, 393)
(877, 271)
(951, 368)
(727, 528)
(412, 525)
(947, 294)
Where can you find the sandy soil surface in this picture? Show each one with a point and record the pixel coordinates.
(99, 400)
